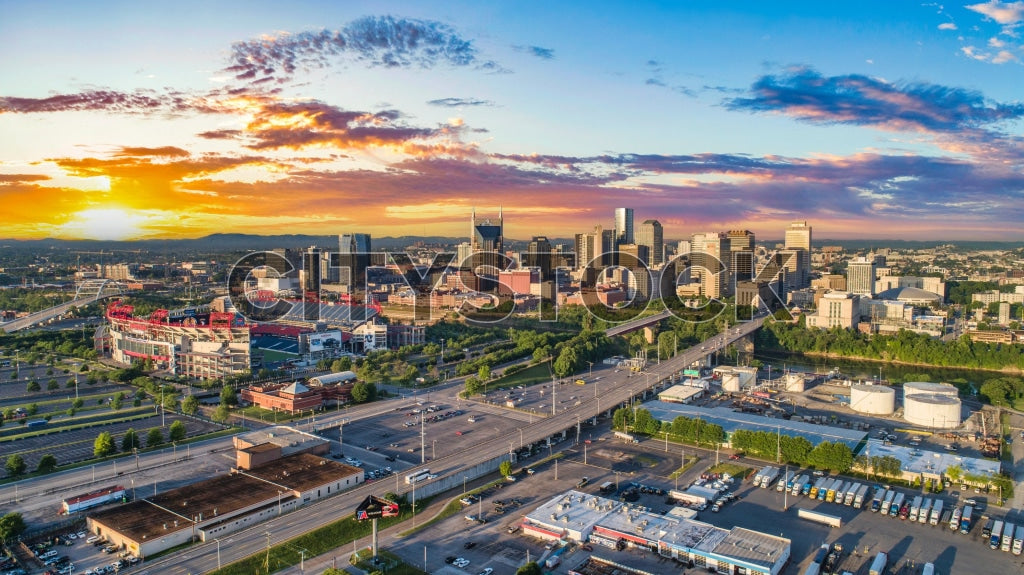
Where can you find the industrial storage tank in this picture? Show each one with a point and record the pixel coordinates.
(915, 387)
(934, 410)
(873, 399)
(794, 382)
(730, 381)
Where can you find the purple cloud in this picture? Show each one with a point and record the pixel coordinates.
(383, 41)
(862, 100)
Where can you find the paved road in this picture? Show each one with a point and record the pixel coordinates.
(620, 388)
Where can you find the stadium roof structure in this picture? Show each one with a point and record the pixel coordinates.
(731, 421)
(335, 315)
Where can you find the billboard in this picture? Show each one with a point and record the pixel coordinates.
(691, 372)
(374, 507)
(320, 341)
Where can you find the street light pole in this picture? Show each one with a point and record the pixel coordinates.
(218, 553)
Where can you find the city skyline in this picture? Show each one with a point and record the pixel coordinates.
(133, 122)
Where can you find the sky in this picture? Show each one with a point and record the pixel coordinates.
(121, 120)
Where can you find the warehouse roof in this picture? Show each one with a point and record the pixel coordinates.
(731, 421)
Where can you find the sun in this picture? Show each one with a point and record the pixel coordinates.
(105, 224)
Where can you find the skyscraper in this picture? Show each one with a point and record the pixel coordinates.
(741, 254)
(486, 243)
(538, 255)
(624, 225)
(798, 237)
(353, 258)
(860, 276)
(707, 251)
(650, 234)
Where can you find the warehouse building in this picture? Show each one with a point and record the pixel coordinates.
(579, 517)
(262, 446)
(221, 505)
(731, 421)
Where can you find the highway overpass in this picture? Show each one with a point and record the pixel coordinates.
(89, 291)
(616, 390)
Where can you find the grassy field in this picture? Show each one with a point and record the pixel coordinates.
(732, 469)
(532, 375)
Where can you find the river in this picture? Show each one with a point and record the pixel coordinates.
(870, 370)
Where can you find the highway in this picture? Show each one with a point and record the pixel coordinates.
(617, 389)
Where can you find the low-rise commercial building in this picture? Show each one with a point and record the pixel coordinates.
(579, 517)
(221, 505)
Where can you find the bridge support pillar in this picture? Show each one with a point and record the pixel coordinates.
(649, 335)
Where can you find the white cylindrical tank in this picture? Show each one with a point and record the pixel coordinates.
(916, 387)
(730, 382)
(934, 410)
(873, 399)
(795, 382)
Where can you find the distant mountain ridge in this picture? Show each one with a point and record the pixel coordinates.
(253, 242)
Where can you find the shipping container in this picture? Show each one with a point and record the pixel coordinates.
(996, 536)
(1008, 530)
(936, 512)
(879, 564)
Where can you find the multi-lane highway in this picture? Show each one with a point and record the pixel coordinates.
(616, 389)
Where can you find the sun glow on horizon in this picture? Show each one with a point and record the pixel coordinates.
(106, 224)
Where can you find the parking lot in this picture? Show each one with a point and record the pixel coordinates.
(863, 533)
(81, 553)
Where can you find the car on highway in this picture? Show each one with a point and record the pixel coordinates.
(469, 545)
(734, 456)
(487, 571)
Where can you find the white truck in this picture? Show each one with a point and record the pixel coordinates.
(915, 508)
(860, 497)
(925, 511)
(798, 485)
(936, 512)
(879, 564)
(784, 481)
(819, 517)
(887, 501)
(768, 476)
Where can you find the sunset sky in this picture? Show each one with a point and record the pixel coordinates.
(121, 120)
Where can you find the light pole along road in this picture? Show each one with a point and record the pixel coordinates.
(203, 557)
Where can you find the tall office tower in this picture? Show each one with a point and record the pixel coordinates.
(741, 254)
(709, 253)
(624, 225)
(683, 248)
(538, 255)
(584, 250)
(798, 237)
(486, 242)
(311, 271)
(860, 276)
(354, 258)
(605, 241)
(650, 234)
(462, 253)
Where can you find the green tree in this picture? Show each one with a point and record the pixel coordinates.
(531, 568)
(485, 372)
(505, 468)
(190, 405)
(32, 386)
(78, 403)
(222, 413)
(33, 408)
(177, 431)
(130, 440)
(52, 385)
(155, 437)
(11, 525)
(364, 391)
(228, 396)
(15, 465)
(473, 386)
(104, 445)
(117, 402)
(47, 463)
(834, 456)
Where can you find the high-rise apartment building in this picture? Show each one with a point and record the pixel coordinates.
(860, 276)
(624, 226)
(650, 234)
(707, 251)
(798, 237)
